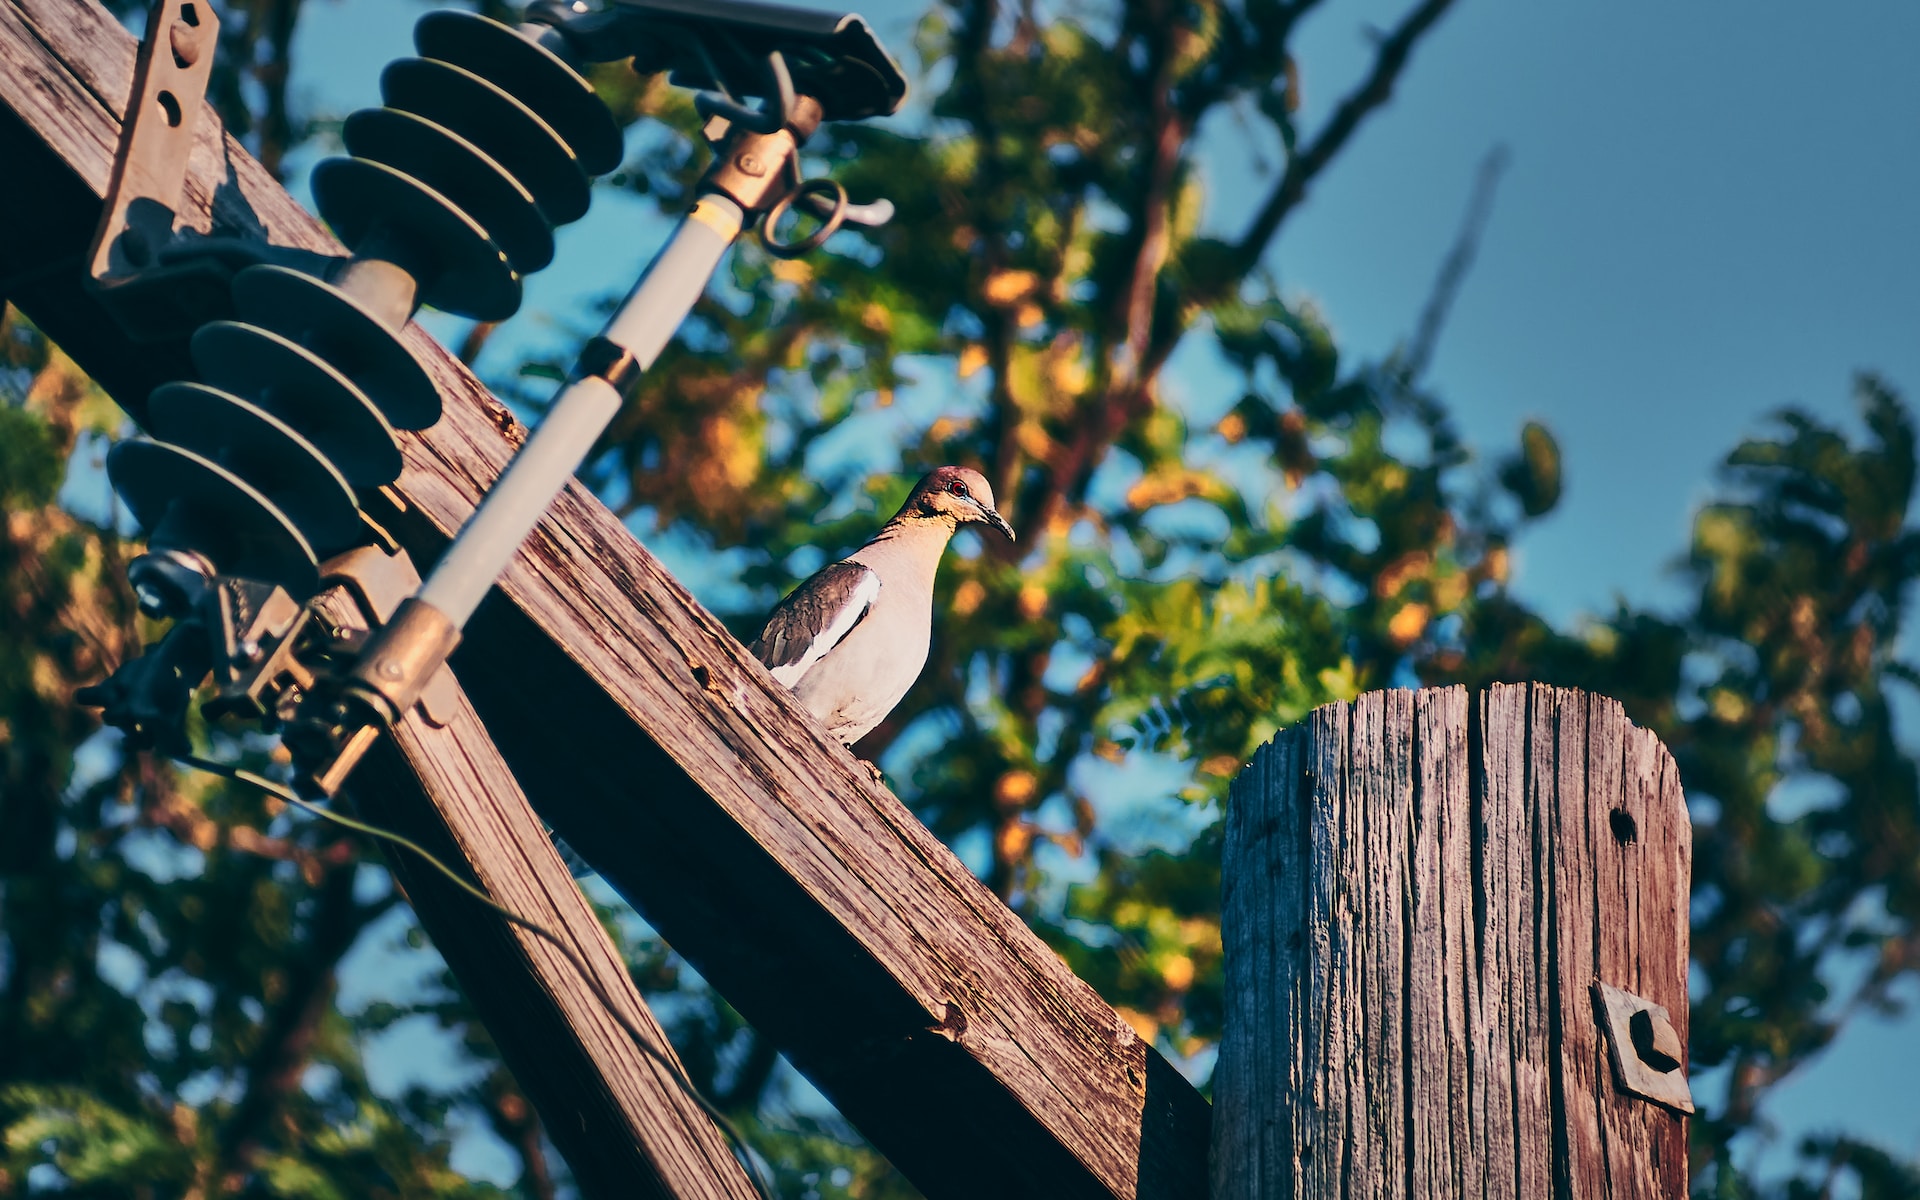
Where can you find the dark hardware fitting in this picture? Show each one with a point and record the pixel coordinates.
(251, 480)
(1648, 1059)
(263, 652)
(724, 47)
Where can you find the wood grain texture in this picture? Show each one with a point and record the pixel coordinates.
(830, 917)
(1419, 891)
(623, 1124)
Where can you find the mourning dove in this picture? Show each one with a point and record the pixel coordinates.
(852, 639)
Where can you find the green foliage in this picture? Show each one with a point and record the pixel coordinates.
(1533, 475)
(1874, 1174)
(166, 1026)
(1806, 804)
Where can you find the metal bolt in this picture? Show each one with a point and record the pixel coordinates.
(1655, 1040)
(388, 669)
(1648, 1058)
(250, 650)
(751, 164)
(152, 601)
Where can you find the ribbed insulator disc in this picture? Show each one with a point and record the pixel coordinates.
(295, 385)
(265, 452)
(469, 275)
(460, 171)
(185, 502)
(507, 130)
(336, 327)
(532, 74)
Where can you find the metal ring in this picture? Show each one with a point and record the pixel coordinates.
(812, 241)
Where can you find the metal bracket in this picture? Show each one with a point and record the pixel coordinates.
(257, 671)
(159, 279)
(1648, 1059)
(725, 46)
(381, 583)
(149, 299)
(265, 649)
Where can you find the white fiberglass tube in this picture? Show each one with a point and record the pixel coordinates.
(641, 327)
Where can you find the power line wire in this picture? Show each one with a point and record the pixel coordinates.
(738, 1142)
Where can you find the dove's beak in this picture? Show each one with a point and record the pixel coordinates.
(997, 521)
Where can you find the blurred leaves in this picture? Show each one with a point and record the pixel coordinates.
(1533, 475)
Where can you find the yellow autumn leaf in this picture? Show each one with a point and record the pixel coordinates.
(1167, 487)
(1201, 934)
(1407, 624)
(1033, 440)
(1142, 1024)
(1013, 789)
(1033, 601)
(1222, 765)
(1069, 374)
(1400, 572)
(1008, 287)
(1498, 565)
(1013, 841)
(967, 597)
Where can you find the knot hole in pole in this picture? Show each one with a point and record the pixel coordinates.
(1624, 830)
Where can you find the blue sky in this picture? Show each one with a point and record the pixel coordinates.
(1712, 211)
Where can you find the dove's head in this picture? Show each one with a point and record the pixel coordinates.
(958, 494)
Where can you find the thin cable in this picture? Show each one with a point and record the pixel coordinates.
(644, 1043)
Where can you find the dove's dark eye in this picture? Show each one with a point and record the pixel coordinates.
(957, 488)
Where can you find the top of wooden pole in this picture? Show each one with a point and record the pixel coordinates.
(1420, 896)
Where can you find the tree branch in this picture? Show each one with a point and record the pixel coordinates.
(1453, 271)
(1150, 255)
(1306, 165)
(750, 1081)
(273, 1070)
(517, 1125)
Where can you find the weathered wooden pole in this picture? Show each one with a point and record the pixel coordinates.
(1456, 954)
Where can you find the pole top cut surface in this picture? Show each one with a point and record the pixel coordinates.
(1433, 909)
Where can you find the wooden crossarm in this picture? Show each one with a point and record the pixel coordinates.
(812, 899)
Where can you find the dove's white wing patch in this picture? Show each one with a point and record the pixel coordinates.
(817, 617)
